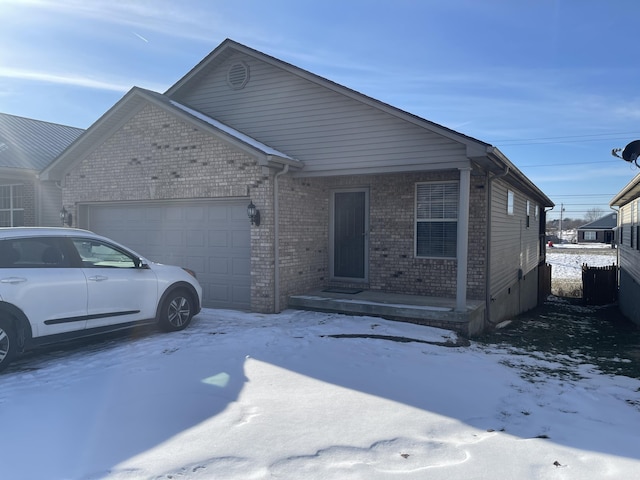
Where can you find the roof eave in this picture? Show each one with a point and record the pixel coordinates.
(628, 193)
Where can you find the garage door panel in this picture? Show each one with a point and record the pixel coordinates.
(211, 238)
(218, 239)
(239, 240)
(195, 238)
(240, 266)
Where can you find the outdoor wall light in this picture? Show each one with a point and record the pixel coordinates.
(253, 213)
(66, 217)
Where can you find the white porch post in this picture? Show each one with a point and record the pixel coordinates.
(463, 239)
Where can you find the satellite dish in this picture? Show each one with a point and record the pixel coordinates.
(630, 153)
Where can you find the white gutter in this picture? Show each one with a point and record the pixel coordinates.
(276, 239)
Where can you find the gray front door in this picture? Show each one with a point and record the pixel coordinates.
(350, 235)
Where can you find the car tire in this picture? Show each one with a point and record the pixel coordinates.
(176, 311)
(8, 343)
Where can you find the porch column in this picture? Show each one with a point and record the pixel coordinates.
(463, 239)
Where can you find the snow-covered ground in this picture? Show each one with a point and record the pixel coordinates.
(567, 259)
(250, 396)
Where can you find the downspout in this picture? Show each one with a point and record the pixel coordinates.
(276, 239)
(487, 279)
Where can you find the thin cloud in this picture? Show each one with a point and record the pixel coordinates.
(71, 80)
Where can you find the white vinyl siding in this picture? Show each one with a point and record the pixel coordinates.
(331, 133)
(436, 219)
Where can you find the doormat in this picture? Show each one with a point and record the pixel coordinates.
(351, 291)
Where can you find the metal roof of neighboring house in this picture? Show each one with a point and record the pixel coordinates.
(603, 223)
(32, 144)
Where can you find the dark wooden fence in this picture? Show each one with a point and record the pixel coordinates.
(599, 284)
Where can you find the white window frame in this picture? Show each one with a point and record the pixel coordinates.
(590, 235)
(440, 208)
(510, 202)
(16, 204)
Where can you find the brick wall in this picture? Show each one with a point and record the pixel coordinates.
(156, 156)
(393, 266)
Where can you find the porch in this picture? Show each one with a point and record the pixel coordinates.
(430, 311)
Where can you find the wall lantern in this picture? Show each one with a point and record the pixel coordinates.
(253, 213)
(65, 217)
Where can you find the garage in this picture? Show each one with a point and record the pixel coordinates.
(211, 238)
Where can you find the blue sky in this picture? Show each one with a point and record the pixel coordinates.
(551, 83)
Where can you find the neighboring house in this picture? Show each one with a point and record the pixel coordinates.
(628, 242)
(352, 193)
(599, 231)
(26, 147)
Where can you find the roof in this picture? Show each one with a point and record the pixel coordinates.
(607, 222)
(32, 144)
(628, 193)
(132, 103)
(484, 154)
(481, 152)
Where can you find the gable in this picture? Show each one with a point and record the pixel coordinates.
(330, 129)
(130, 105)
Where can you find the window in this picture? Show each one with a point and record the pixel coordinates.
(437, 219)
(11, 205)
(589, 235)
(97, 254)
(33, 252)
(528, 213)
(509, 202)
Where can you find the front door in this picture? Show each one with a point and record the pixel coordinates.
(350, 235)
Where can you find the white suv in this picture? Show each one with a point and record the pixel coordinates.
(62, 283)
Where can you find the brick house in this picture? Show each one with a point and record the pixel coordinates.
(352, 193)
(27, 146)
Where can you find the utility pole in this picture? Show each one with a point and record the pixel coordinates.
(561, 210)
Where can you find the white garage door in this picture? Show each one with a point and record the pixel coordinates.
(211, 238)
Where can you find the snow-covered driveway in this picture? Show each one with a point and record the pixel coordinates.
(250, 396)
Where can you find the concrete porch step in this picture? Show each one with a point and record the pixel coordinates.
(431, 311)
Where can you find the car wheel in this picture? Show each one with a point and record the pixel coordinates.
(8, 343)
(176, 311)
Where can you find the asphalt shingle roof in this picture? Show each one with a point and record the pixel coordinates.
(606, 222)
(32, 144)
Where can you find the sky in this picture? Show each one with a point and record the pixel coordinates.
(250, 396)
(552, 83)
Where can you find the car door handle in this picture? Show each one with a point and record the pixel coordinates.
(98, 278)
(13, 280)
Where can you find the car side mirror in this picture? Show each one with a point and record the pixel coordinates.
(140, 263)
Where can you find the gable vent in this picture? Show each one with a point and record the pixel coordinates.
(238, 75)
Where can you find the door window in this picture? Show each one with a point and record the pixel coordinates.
(94, 253)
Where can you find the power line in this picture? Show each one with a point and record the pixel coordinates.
(587, 137)
(563, 164)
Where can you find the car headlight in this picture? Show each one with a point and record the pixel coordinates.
(190, 272)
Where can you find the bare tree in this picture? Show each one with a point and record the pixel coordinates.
(594, 214)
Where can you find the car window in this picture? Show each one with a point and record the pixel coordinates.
(95, 253)
(33, 252)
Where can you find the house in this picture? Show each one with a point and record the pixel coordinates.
(361, 205)
(27, 146)
(598, 231)
(628, 243)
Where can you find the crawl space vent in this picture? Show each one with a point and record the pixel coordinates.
(238, 75)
